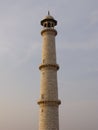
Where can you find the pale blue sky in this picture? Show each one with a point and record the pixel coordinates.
(20, 56)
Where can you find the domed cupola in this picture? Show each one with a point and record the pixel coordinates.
(48, 21)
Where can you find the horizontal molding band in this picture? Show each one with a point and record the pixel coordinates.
(49, 66)
(49, 30)
(48, 102)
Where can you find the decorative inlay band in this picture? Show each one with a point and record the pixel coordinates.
(52, 66)
(47, 102)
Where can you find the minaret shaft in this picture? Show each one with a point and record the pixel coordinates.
(48, 102)
(48, 48)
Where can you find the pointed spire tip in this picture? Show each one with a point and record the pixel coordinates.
(48, 12)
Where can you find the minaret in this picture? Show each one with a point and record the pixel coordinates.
(49, 102)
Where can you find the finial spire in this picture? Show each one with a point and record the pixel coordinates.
(48, 12)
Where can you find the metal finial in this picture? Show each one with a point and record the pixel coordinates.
(48, 13)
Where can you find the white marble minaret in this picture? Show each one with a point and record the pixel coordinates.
(49, 102)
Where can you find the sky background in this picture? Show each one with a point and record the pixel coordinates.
(20, 57)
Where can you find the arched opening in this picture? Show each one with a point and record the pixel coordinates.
(49, 25)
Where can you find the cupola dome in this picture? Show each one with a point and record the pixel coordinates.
(48, 21)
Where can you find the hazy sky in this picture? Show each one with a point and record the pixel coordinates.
(20, 56)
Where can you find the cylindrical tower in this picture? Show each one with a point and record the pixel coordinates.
(49, 102)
